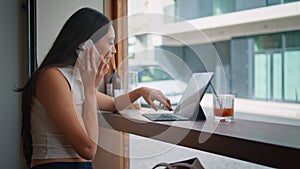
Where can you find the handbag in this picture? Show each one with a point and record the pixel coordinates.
(192, 163)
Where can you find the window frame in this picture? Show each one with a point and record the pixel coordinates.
(116, 9)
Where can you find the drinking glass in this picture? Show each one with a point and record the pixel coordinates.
(223, 107)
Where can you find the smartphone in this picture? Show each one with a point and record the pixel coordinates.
(87, 45)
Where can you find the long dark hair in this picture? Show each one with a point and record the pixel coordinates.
(78, 28)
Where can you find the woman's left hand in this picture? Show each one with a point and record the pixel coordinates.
(150, 95)
(102, 70)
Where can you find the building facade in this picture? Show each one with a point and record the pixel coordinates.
(257, 41)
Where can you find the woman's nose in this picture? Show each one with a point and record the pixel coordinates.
(113, 51)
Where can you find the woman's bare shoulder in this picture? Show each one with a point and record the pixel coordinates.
(51, 80)
(50, 75)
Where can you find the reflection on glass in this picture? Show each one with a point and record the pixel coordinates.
(277, 76)
(293, 39)
(291, 75)
(267, 42)
(262, 76)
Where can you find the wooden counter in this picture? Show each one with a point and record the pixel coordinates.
(269, 144)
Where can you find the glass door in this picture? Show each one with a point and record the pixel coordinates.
(268, 76)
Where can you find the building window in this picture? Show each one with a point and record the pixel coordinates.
(202, 8)
(291, 75)
(267, 42)
(276, 67)
(222, 7)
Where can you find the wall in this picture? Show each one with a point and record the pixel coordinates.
(48, 24)
(241, 67)
(13, 73)
(10, 74)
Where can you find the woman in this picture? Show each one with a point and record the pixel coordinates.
(64, 89)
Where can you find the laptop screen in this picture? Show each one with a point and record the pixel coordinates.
(192, 95)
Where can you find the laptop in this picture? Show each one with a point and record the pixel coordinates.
(189, 106)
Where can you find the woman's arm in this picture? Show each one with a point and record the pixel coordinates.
(149, 96)
(53, 91)
(105, 102)
(124, 101)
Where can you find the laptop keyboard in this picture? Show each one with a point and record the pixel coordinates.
(164, 117)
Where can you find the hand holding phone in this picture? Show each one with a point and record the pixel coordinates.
(88, 45)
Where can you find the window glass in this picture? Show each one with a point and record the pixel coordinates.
(263, 67)
(261, 76)
(273, 2)
(291, 75)
(266, 58)
(192, 9)
(277, 76)
(149, 73)
(246, 4)
(279, 71)
(293, 39)
(222, 7)
(287, 1)
(131, 46)
(266, 42)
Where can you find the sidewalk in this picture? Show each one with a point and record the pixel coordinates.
(276, 112)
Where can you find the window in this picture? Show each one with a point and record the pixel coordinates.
(261, 69)
(222, 7)
(203, 8)
(267, 42)
(262, 76)
(257, 67)
(291, 75)
(276, 67)
(292, 39)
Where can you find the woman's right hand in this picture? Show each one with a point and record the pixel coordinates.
(151, 95)
(88, 70)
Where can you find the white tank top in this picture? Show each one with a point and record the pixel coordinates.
(47, 140)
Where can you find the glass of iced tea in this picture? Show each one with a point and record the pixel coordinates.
(223, 107)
